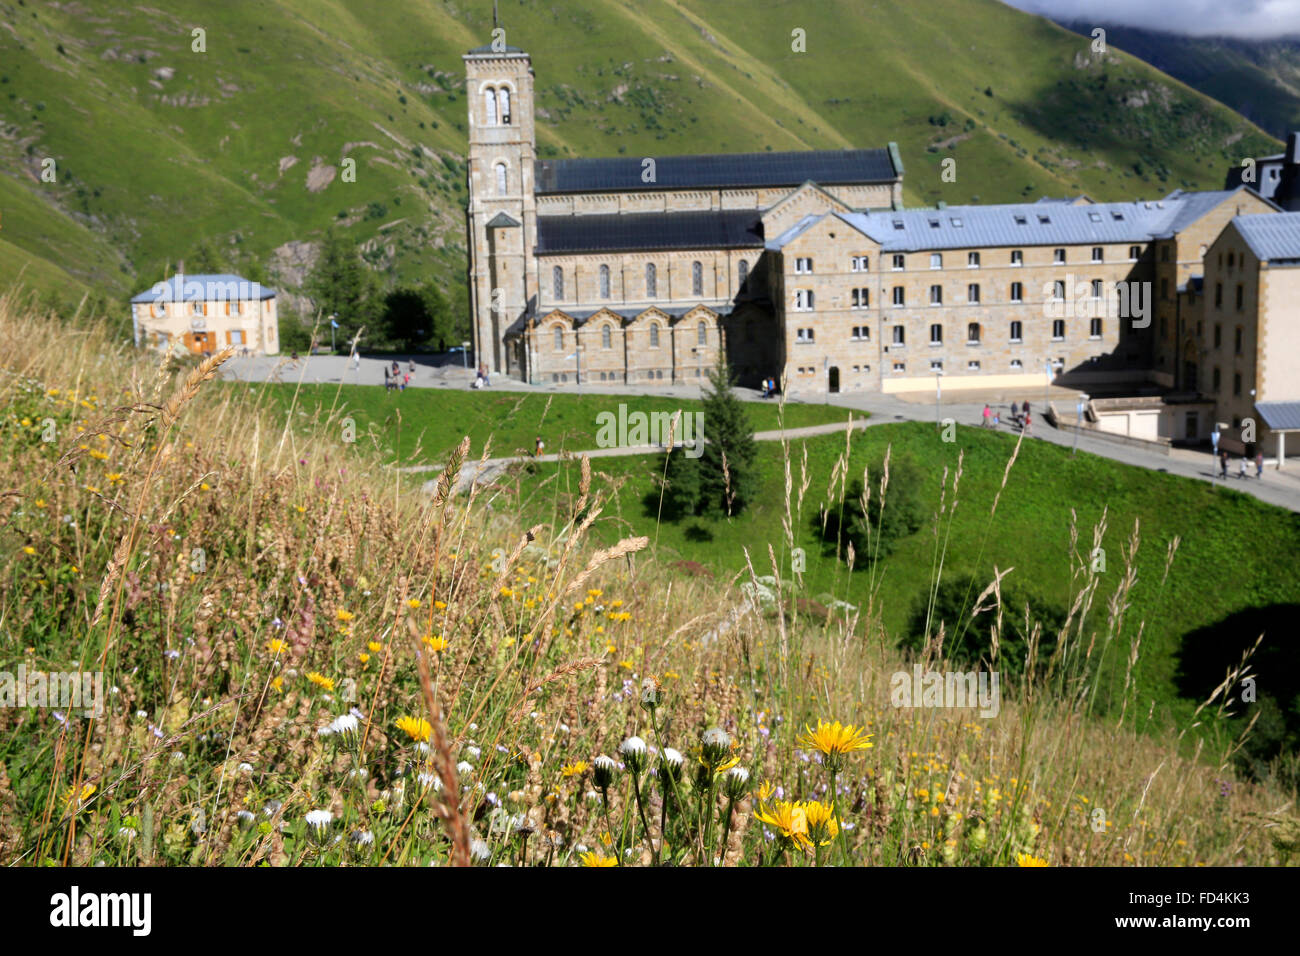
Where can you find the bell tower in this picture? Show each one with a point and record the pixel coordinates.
(501, 218)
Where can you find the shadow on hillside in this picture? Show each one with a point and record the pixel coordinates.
(1209, 652)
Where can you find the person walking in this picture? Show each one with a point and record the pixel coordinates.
(1242, 471)
(538, 447)
(1223, 465)
(988, 414)
(1259, 464)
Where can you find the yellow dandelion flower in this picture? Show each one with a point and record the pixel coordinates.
(417, 728)
(413, 604)
(835, 740)
(789, 818)
(592, 858)
(440, 605)
(822, 827)
(363, 657)
(343, 615)
(29, 550)
(71, 795)
(277, 683)
(374, 647)
(115, 478)
(435, 642)
(321, 681)
(1026, 859)
(301, 509)
(276, 646)
(39, 502)
(204, 486)
(766, 791)
(575, 769)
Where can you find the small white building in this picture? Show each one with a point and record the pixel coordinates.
(207, 313)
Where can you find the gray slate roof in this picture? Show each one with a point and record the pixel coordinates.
(200, 287)
(1021, 224)
(1274, 238)
(629, 232)
(721, 171)
(1279, 416)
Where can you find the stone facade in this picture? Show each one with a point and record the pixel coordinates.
(206, 313)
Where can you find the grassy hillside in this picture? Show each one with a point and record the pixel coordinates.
(158, 148)
(1225, 563)
(302, 665)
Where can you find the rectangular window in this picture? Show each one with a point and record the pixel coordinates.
(1218, 295)
(936, 260)
(1236, 340)
(1134, 253)
(1058, 290)
(1217, 379)
(861, 298)
(900, 367)
(1017, 257)
(973, 366)
(972, 260)
(1097, 255)
(859, 264)
(1058, 330)
(861, 333)
(973, 292)
(1017, 365)
(899, 262)
(936, 295)
(898, 295)
(1218, 336)
(1058, 256)
(1016, 329)
(936, 334)
(1241, 295)
(936, 365)
(803, 265)
(1236, 383)
(804, 336)
(803, 300)
(1017, 292)
(899, 336)
(237, 337)
(1094, 328)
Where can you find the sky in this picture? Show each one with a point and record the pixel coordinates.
(1253, 19)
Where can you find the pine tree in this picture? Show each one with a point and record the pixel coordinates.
(341, 284)
(681, 493)
(728, 474)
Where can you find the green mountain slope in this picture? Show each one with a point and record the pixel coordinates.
(158, 148)
(1260, 79)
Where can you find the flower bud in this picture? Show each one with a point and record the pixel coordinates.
(634, 754)
(602, 772)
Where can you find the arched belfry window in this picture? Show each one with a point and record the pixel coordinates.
(490, 106)
(503, 182)
(503, 98)
(701, 334)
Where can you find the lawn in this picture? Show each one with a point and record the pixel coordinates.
(421, 425)
(1226, 561)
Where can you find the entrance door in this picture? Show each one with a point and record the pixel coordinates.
(198, 341)
(834, 383)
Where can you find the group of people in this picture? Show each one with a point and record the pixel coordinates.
(395, 379)
(769, 387)
(1020, 415)
(482, 380)
(1244, 469)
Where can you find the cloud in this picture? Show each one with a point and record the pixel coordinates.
(1253, 19)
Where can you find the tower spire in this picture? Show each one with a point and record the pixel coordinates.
(495, 22)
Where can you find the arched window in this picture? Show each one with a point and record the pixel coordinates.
(559, 339)
(697, 279)
(502, 182)
(651, 286)
(557, 282)
(701, 334)
(973, 332)
(490, 105)
(654, 334)
(742, 273)
(604, 282)
(504, 99)
(606, 337)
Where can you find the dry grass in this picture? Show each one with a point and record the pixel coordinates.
(244, 585)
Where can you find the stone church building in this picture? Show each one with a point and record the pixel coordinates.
(805, 267)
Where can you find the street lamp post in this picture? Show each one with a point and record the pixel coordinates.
(333, 325)
(938, 395)
(1083, 403)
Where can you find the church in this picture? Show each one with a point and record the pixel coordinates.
(805, 267)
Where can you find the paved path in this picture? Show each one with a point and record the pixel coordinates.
(1278, 487)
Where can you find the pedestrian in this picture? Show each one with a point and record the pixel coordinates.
(1029, 424)
(1259, 464)
(406, 380)
(996, 420)
(538, 446)
(1242, 472)
(988, 414)
(1223, 465)
(356, 361)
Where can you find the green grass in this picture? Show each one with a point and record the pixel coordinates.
(421, 425)
(1226, 561)
(137, 154)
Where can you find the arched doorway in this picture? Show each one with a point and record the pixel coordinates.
(834, 383)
